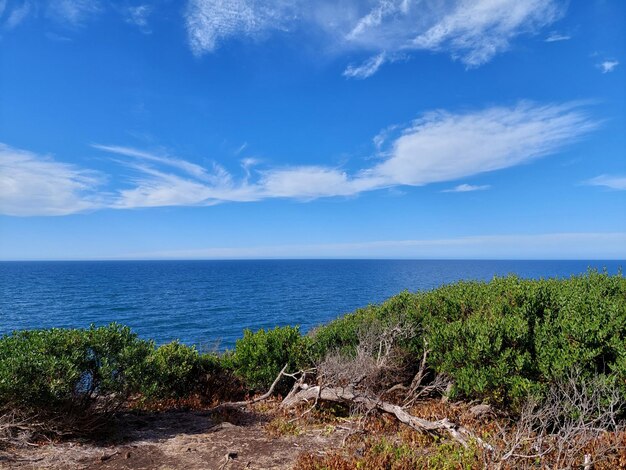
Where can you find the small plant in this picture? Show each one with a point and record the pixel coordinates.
(280, 426)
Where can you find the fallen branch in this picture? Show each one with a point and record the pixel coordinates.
(265, 396)
(348, 396)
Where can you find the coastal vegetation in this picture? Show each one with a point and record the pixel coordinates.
(546, 359)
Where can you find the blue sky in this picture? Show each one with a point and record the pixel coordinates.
(289, 129)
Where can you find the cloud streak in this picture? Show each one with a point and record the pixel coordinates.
(38, 185)
(586, 245)
(471, 31)
(440, 146)
(16, 14)
(73, 13)
(609, 181)
(475, 31)
(367, 68)
(466, 188)
(556, 37)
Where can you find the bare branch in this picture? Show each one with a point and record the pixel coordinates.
(265, 396)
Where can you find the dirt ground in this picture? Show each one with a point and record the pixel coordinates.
(179, 440)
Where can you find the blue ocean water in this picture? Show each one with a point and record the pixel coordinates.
(204, 302)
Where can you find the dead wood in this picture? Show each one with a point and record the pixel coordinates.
(265, 396)
(348, 395)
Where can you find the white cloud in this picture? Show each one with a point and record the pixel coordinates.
(192, 169)
(465, 188)
(172, 181)
(608, 65)
(367, 68)
(609, 181)
(73, 12)
(472, 31)
(307, 182)
(211, 21)
(17, 14)
(438, 147)
(555, 37)
(32, 184)
(68, 13)
(475, 31)
(138, 16)
(443, 147)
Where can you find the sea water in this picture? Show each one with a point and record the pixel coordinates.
(209, 303)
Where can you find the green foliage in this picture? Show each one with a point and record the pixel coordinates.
(497, 340)
(175, 370)
(75, 369)
(507, 338)
(259, 357)
(342, 335)
(70, 368)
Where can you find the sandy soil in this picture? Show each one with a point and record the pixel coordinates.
(179, 440)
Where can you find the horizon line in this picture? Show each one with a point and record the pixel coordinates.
(26, 260)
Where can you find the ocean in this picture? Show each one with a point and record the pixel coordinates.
(209, 303)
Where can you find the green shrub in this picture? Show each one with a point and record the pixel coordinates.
(584, 327)
(497, 340)
(175, 370)
(342, 334)
(507, 338)
(70, 368)
(259, 357)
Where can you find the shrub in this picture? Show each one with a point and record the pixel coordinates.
(174, 370)
(342, 335)
(507, 338)
(259, 357)
(70, 368)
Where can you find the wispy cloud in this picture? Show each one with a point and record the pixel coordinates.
(211, 21)
(16, 15)
(73, 13)
(513, 246)
(68, 13)
(607, 65)
(33, 184)
(440, 146)
(367, 68)
(138, 15)
(472, 31)
(466, 188)
(609, 181)
(443, 146)
(556, 37)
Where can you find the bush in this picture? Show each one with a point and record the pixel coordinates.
(70, 368)
(175, 370)
(507, 338)
(259, 357)
(497, 340)
(342, 335)
(77, 371)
